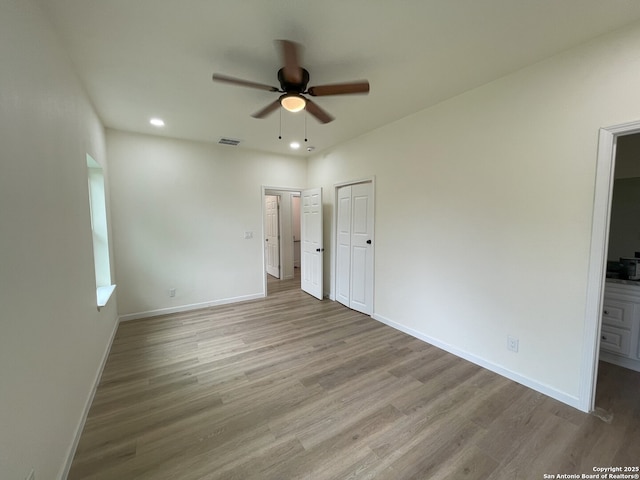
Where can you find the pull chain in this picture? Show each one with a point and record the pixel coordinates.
(280, 134)
(305, 123)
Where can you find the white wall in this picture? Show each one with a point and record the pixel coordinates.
(484, 208)
(52, 338)
(180, 211)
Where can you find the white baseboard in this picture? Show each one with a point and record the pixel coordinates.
(563, 397)
(186, 308)
(85, 413)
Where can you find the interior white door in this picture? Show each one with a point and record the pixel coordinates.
(312, 244)
(272, 235)
(343, 246)
(354, 240)
(361, 297)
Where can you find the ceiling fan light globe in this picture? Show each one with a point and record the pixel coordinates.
(293, 103)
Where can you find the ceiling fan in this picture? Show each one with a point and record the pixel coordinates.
(293, 86)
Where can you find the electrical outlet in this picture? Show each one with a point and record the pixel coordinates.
(32, 475)
(248, 235)
(512, 343)
(172, 292)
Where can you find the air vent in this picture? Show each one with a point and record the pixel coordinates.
(229, 141)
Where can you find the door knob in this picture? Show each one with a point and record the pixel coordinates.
(368, 242)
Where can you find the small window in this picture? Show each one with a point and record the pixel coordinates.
(99, 228)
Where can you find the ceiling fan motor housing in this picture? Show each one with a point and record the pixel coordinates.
(293, 87)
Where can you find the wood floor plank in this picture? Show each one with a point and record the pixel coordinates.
(469, 463)
(290, 387)
(425, 459)
(339, 451)
(542, 446)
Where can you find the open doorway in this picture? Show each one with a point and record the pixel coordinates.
(281, 219)
(612, 332)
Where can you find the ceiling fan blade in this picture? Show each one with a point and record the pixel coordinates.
(273, 106)
(316, 111)
(339, 89)
(243, 83)
(292, 71)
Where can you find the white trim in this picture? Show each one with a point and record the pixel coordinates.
(283, 189)
(103, 294)
(263, 192)
(603, 191)
(186, 308)
(371, 179)
(484, 363)
(85, 413)
(595, 279)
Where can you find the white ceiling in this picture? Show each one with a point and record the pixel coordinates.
(144, 58)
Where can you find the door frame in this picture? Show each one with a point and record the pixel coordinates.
(263, 190)
(334, 235)
(299, 196)
(603, 193)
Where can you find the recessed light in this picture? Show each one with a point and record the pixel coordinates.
(294, 145)
(157, 122)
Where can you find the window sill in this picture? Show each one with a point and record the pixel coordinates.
(104, 294)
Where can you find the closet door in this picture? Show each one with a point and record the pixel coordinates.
(354, 255)
(362, 248)
(343, 243)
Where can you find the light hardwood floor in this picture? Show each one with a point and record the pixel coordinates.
(289, 387)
